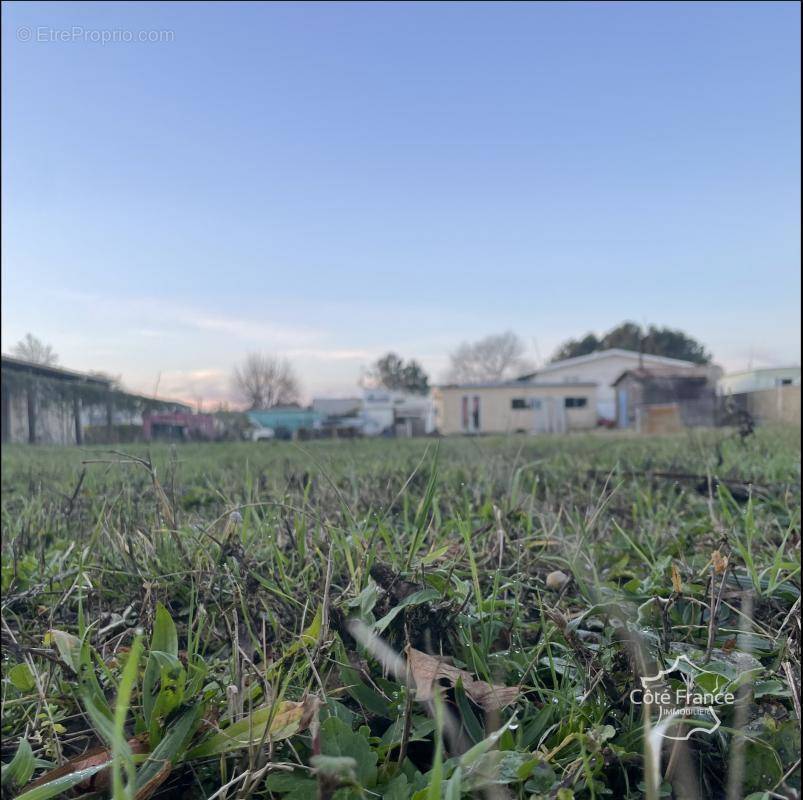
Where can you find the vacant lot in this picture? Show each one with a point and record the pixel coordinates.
(267, 617)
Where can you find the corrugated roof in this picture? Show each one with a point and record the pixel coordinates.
(49, 371)
(518, 384)
(701, 374)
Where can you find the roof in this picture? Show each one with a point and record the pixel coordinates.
(598, 355)
(284, 417)
(759, 370)
(161, 401)
(49, 371)
(60, 373)
(518, 384)
(699, 376)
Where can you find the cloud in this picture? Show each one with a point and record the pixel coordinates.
(333, 354)
(153, 317)
(209, 385)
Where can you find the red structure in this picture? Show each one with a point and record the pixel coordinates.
(178, 425)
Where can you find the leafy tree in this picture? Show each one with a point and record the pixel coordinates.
(393, 372)
(264, 381)
(675, 344)
(36, 351)
(630, 336)
(577, 347)
(493, 358)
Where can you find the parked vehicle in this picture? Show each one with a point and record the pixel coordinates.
(262, 434)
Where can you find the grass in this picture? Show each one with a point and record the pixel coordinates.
(235, 620)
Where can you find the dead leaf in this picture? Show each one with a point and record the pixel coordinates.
(677, 583)
(426, 670)
(92, 758)
(146, 791)
(268, 723)
(719, 562)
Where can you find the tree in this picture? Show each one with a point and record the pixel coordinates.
(264, 381)
(493, 358)
(393, 372)
(630, 336)
(577, 347)
(36, 351)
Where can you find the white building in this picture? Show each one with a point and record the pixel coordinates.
(603, 368)
(397, 413)
(754, 380)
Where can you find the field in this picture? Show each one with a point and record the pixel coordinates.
(403, 619)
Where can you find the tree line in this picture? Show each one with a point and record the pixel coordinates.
(265, 381)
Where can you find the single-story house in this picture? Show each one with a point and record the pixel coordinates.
(603, 368)
(769, 395)
(287, 422)
(756, 380)
(689, 396)
(515, 407)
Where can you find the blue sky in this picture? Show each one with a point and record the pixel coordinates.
(332, 181)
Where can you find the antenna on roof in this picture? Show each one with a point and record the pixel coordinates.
(539, 362)
(641, 338)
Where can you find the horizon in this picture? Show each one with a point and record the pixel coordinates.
(338, 181)
(233, 404)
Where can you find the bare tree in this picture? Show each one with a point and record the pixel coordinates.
(493, 358)
(264, 381)
(36, 351)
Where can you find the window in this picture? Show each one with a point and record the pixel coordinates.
(575, 402)
(786, 381)
(518, 403)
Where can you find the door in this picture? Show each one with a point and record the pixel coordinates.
(540, 419)
(558, 415)
(470, 409)
(622, 415)
(549, 415)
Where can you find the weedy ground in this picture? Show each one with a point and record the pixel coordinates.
(401, 619)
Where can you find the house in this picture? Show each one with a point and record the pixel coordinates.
(603, 368)
(393, 413)
(515, 407)
(768, 395)
(286, 422)
(755, 380)
(653, 400)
